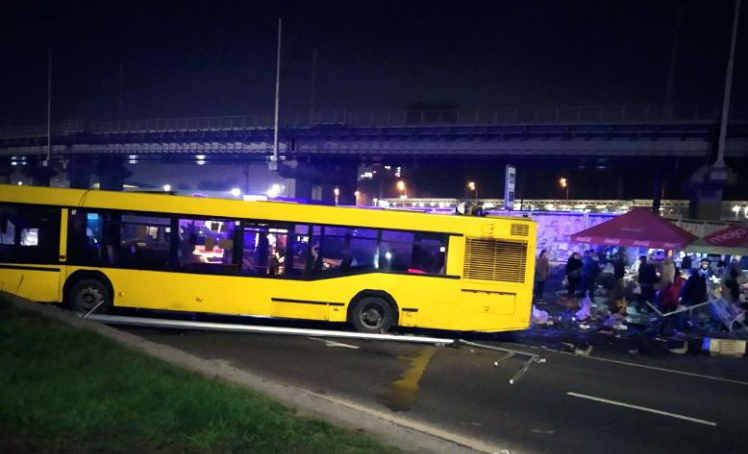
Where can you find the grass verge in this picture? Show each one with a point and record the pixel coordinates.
(70, 390)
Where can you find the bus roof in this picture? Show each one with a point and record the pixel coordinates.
(226, 208)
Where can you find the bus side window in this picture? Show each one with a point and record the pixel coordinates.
(429, 254)
(265, 250)
(29, 234)
(85, 246)
(343, 250)
(206, 245)
(144, 241)
(298, 251)
(396, 251)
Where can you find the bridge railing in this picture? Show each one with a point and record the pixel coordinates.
(627, 114)
(33, 131)
(542, 115)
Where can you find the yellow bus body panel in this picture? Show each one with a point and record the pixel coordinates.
(42, 286)
(442, 302)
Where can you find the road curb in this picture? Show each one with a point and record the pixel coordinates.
(408, 435)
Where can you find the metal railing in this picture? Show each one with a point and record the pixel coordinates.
(29, 131)
(590, 115)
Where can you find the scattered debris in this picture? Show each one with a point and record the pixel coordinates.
(724, 347)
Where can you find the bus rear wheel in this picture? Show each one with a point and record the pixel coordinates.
(372, 315)
(89, 294)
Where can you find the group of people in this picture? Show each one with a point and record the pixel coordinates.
(581, 273)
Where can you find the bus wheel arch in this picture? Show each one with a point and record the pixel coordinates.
(372, 296)
(94, 280)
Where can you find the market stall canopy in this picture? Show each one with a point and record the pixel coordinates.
(638, 228)
(732, 240)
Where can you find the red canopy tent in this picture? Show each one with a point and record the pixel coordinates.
(638, 228)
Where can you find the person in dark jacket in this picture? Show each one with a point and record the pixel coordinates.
(647, 280)
(590, 270)
(574, 273)
(619, 265)
(686, 264)
(542, 272)
(694, 291)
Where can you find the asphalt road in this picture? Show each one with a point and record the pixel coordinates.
(570, 404)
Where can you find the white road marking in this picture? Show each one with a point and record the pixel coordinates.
(637, 407)
(330, 343)
(661, 369)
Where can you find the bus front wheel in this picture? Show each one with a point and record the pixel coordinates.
(89, 294)
(372, 315)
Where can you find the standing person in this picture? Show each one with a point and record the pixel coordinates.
(695, 290)
(542, 272)
(574, 273)
(667, 274)
(619, 265)
(590, 270)
(670, 300)
(647, 279)
(686, 263)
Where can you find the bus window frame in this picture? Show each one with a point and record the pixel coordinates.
(239, 243)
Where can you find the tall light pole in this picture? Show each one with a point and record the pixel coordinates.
(720, 162)
(474, 188)
(274, 159)
(47, 161)
(403, 191)
(565, 185)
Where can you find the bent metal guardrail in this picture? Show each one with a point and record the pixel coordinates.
(625, 114)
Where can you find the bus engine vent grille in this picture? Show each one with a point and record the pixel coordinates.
(520, 229)
(493, 260)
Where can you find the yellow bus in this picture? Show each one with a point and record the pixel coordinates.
(372, 268)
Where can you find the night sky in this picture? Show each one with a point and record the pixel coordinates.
(218, 58)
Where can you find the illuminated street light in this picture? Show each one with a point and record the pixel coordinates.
(474, 188)
(564, 184)
(167, 187)
(336, 191)
(357, 194)
(236, 192)
(401, 186)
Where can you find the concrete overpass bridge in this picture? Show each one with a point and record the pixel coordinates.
(326, 147)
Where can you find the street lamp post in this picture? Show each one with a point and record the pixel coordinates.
(401, 187)
(564, 184)
(474, 188)
(357, 194)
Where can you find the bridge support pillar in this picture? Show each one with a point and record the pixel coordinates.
(6, 169)
(79, 171)
(707, 186)
(38, 173)
(657, 194)
(112, 173)
(318, 182)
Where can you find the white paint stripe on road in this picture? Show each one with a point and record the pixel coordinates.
(330, 343)
(637, 407)
(643, 366)
(662, 369)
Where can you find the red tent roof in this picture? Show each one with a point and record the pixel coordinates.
(638, 227)
(731, 236)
